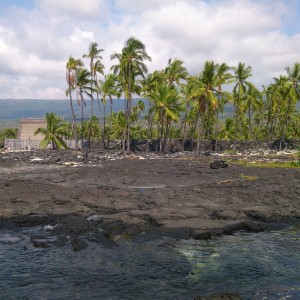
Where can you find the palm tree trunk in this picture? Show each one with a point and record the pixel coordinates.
(92, 106)
(148, 126)
(166, 135)
(183, 134)
(250, 122)
(199, 136)
(89, 129)
(74, 119)
(194, 131)
(104, 124)
(215, 140)
(110, 125)
(81, 125)
(128, 127)
(282, 133)
(235, 125)
(161, 135)
(99, 109)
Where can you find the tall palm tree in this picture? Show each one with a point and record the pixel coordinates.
(95, 66)
(107, 88)
(252, 101)
(72, 66)
(130, 66)
(223, 77)
(168, 108)
(241, 74)
(83, 84)
(272, 105)
(148, 86)
(184, 90)
(54, 133)
(205, 88)
(98, 69)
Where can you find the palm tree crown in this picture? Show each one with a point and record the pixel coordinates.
(129, 67)
(54, 133)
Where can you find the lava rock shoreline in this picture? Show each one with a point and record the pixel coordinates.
(106, 195)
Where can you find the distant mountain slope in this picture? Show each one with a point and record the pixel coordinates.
(13, 110)
(17, 109)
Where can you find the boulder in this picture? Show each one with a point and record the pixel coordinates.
(218, 164)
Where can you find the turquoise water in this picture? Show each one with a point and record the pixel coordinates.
(256, 266)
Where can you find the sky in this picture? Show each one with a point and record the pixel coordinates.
(38, 36)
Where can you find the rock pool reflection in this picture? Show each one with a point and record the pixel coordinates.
(256, 266)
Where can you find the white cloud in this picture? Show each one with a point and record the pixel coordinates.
(73, 7)
(79, 36)
(36, 43)
(133, 6)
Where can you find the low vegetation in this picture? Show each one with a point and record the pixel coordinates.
(9, 133)
(265, 163)
(296, 163)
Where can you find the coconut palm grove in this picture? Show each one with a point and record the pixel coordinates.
(218, 103)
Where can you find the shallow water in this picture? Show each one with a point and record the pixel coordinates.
(256, 266)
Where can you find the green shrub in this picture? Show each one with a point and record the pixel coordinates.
(296, 163)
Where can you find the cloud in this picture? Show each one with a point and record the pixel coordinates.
(79, 36)
(195, 31)
(133, 6)
(90, 8)
(35, 42)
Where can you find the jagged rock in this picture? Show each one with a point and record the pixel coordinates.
(78, 244)
(218, 164)
(40, 244)
(225, 296)
(202, 235)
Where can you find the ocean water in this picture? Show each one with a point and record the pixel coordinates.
(254, 265)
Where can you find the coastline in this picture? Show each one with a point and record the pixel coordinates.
(144, 197)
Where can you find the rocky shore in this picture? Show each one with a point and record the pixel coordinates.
(107, 196)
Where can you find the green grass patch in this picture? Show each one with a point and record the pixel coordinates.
(296, 163)
(248, 177)
(264, 164)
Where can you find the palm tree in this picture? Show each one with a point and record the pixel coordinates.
(241, 74)
(54, 133)
(175, 71)
(168, 108)
(72, 66)
(291, 94)
(272, 106)
(130, 66)
(107, 88)
(252, 102)
(118, 125)
(83, 84)
(174, 74)
(149, 85)
(205, 88)
(91, 129)
(94, 53)
(184, 90)
(98, 69)
(223, 77)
